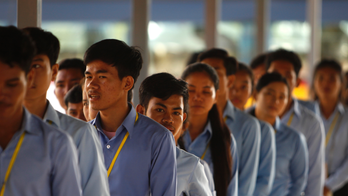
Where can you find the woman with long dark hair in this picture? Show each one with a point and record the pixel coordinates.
(271, 98)
(328, 83)
(208, 137)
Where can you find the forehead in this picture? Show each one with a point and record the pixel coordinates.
(8, 72)
(278, 87)
(327, 71)
(281, 65)
(41, 58)
(242, 75)
(98, 65)
(75, 105)
(199, 79)
(69, 73)
(174, 101)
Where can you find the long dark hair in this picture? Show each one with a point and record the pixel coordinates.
(221, 139)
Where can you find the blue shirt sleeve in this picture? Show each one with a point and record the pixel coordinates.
(249, 158)
(65, 179)
(199, 184)
(299, 167)
(233, 186)
(209, 177)
(163, 173)
(266, 171)
(91, 163)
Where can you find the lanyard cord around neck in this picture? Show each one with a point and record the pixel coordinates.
(120, 148)
(13, 159)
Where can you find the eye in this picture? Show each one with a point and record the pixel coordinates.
(102, 77)
(88, 77)
(206, 92)
(159, 110)
(35, 66)
(191, 91)
(60, 85)
(12, 84)
(85, 104)
(177, 113)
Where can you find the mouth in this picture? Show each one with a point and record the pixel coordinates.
(169, 127)
(196, 106)
(93, 96)
(236, 101)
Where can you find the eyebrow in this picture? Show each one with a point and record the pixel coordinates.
(98, 72)
(160, 104)
(38, 59)
(190, 85)
(13, 80)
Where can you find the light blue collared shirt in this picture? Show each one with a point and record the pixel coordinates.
(191, 177)
(306, 122)
(209, 176)
(337, 148)
(46, 163)
(198, 146)
(265, 174)
(246, 131)
(90, 155)
(291, 161)
(147, 161)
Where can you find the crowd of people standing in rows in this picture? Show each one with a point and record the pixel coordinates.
(191, 135)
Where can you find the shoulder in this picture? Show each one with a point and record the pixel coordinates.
(75, 127)
(308, 115)
(246, 118)
(293, 134)
(310, 105)
(266, 128)
(149, 126)
(187, 160)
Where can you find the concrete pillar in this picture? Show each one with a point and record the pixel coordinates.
(212, 17)
(140, 22)
(29, 13)
(262, 18)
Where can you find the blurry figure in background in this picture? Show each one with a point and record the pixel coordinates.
(328, 82)
(193, 58)
(296, 116)
(245, 128)
(164, 99)
(242, 87)
(271, 96)
(88, 111)
(73, 101)
(93, 173)
(130, 97)
(70, 73)
(346, 90)
(240, 92)
(258, 67)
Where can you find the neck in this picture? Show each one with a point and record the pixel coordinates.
(9, 126)
(264, 117)
(197, 124)
(327, 107)
(288, 107)
(37, 106)
(221, 103)
(113, 117)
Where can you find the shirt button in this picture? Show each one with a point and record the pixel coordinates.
(108, 146)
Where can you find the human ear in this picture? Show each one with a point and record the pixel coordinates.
(140, 109)
(128, 83)
(231, 79)
(30, 78)
(54, 72)
(216, 95)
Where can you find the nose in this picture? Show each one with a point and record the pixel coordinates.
(92, 84)
(197, 97)
(168, 118)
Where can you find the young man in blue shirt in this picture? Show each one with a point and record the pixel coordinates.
(139, 153)
(296, 116)
(93, 173)
(36, 159)
(245, 128)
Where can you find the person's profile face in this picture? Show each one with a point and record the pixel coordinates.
(169, 113)
(202, 93)
(327, 83)
(241, 90)
(13, 87)
(258, 72)
(272, 99)
(218, 65)
(286, 69)
(42, 77)
(76, 110)
(103, 86)
(65, 80)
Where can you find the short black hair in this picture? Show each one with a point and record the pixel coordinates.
(16, 48)
(230, 63)
(126, 59)
(162, 85)
(202, 67)
(330, 63)
(268, 78)
(284, 55)
(74, 63)
(193, 58)
(45, 43)
(74, 95)
(258, 61)
(244, 67)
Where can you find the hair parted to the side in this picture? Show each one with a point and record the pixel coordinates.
(332, 64)
(258, 61)
(45, 43)
(74, 95)
(230, 63)
(74, 63)
(245, 68)
(284, 55)
(221, 139)
(162, 85)
(16, 48)
(269, 78)
(126, 59)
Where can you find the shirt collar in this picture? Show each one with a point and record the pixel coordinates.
(296, 107)
(277, 125)
(28, 124)
(339, 107)
(128, 123)
(51, 116)
(229, 110)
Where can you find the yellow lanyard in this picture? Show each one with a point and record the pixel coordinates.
(332, 126)
(13, 159)
(119, 148)
(205, 151)
(290, 119)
